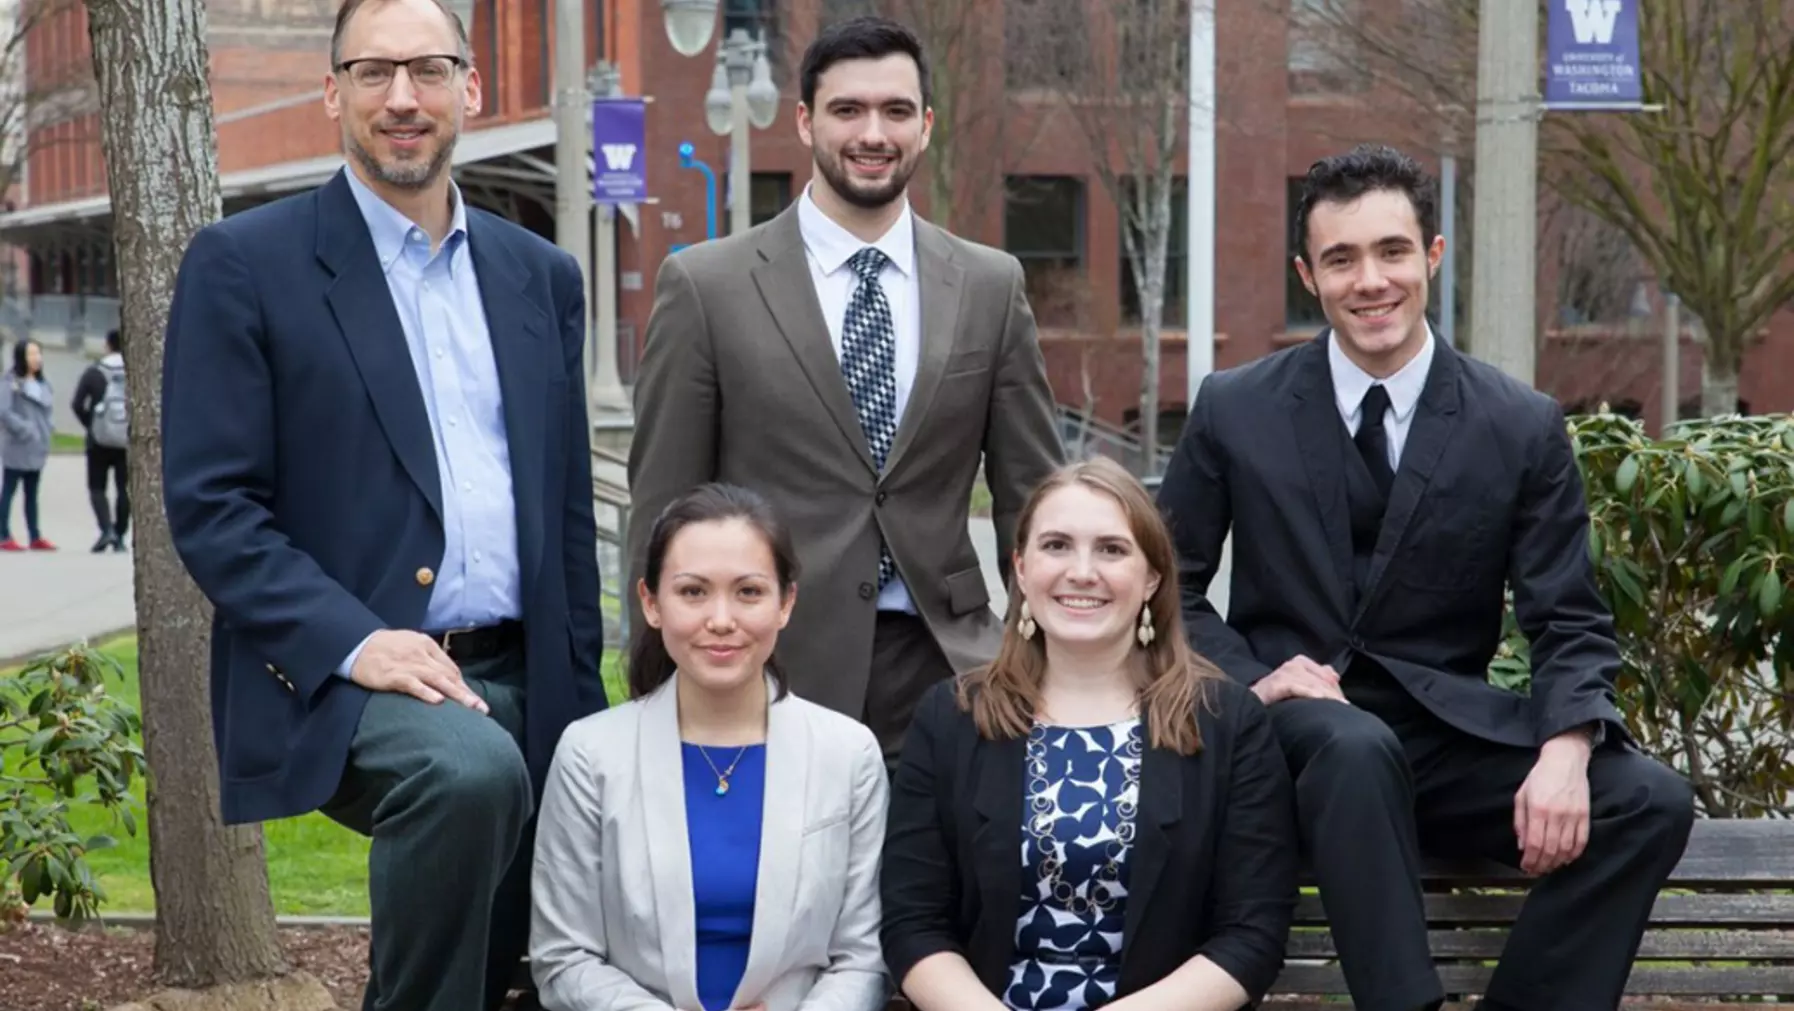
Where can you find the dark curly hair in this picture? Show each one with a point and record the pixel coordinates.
(1343, 178)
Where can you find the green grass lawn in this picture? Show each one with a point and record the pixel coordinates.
(63, 442)
(315, 866)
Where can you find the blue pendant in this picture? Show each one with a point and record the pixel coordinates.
(722, 787)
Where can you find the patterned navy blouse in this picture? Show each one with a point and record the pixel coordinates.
(1082, 788)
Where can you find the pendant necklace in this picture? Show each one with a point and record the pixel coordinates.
(722, 778)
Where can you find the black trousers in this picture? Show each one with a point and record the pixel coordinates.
(906, 662)
(1382, 780)
(104, 462)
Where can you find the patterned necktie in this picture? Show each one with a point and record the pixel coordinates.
(1372, 439)
(869, 364)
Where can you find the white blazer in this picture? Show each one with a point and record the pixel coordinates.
(613, 926)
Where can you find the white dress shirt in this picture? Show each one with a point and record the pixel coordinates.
(1351, 383)
(827, 248)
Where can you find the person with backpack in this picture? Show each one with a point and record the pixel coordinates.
(25, 417)
(103, 410)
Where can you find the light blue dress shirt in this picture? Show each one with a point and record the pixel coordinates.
(437, 296)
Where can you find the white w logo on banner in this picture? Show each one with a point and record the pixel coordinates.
(1593, 20)
(618, 156)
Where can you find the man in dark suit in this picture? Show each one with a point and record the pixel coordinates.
(377, 467)
(1383, 491)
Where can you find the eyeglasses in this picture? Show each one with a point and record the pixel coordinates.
(425, 71)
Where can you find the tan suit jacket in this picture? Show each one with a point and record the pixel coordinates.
(613, 916)
(740, 383)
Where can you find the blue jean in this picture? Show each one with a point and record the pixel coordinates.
(10, 483)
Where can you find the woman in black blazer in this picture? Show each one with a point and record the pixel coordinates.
(1099, 815)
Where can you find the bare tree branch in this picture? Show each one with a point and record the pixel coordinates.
(1120, 70)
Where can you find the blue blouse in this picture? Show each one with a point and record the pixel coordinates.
(724, 830)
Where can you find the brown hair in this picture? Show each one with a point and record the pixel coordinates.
(349, 7)
(1004, 695)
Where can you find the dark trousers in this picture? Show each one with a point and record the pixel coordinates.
(446, 796)
(12, 481)
(906, 662)
(1381, 780)
(104, 462)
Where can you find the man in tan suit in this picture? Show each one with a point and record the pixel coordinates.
(854, 364)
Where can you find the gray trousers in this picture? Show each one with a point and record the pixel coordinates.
(444, 793)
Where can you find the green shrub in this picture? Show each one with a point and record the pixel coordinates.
(63, 742)
(1693, 541)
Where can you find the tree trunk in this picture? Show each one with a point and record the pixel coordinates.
(1719, 384)
(214, 919)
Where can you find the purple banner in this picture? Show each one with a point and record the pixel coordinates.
(619, 151)
(1592, 55)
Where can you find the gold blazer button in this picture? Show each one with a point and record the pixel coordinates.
(425, 577)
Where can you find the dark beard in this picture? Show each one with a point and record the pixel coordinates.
(834, 171)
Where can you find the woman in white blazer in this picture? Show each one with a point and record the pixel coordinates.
(714, 843)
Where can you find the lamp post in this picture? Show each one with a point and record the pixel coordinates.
(741, 97)
(604, 382)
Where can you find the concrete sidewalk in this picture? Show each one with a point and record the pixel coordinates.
(49, 599)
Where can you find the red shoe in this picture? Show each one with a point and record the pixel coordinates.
(39, 544)
(11, 545)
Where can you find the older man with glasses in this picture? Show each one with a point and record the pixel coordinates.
(378, 470)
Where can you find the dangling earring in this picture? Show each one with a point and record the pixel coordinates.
(1146, 634)
(1026, 626)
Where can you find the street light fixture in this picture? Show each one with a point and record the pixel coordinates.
(689, 24)
(741, 97)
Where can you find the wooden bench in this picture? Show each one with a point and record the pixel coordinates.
(1723, 927)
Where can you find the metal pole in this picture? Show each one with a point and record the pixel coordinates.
(1199, 200)
(1448, 269)
(741, 211)
(1502, 301)
(572, 202)
(606, 398)
(1672, 361)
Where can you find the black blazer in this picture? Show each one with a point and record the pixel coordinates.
(1487, 492)
(1212, 870)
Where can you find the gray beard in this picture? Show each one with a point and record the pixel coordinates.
(406, 176)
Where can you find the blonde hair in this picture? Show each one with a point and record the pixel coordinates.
(1004, 695)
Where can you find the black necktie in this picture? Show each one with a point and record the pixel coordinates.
(1373, 442)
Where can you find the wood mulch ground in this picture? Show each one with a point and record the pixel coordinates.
(43, 968)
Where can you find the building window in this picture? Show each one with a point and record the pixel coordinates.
(1300, 309)
(483, 35)
(1173, 311)
(760, 19)
(1043, 227)
(1042, 48)
(1324, 57)
(769, 194)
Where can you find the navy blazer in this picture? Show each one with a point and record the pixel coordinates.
(302, 490)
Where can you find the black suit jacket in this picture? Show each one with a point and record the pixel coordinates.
(1212, 870)
(302, 489)
(1487, 494)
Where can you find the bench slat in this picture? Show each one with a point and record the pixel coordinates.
(1723, 945)
(1652, 979)
(1705, 910)
(1720, 852)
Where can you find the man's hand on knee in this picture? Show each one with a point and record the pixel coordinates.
(411, 663)
(1551, 811)
(1299, 678)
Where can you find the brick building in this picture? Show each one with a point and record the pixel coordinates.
(1283, 103)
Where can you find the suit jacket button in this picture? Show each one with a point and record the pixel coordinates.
(866, 591)
(879, 498)
(425, 577)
